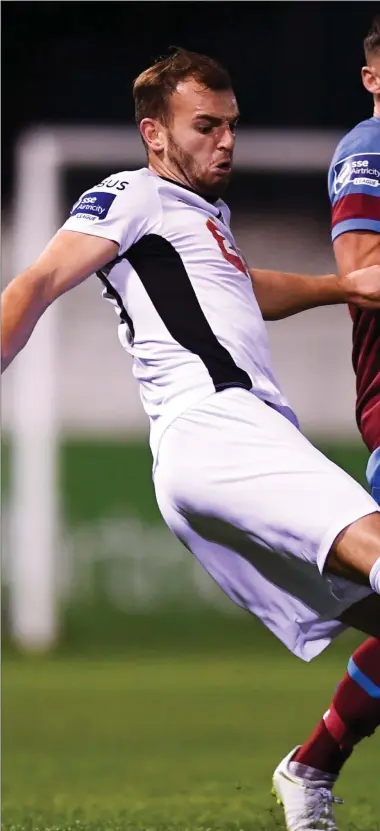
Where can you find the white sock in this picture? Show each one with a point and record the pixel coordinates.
(374, 576)
(317, 778)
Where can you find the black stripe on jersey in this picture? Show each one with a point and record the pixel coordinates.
(165, 279)
(124, 316)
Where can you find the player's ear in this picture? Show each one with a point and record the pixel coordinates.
(371, 80)
(153, 134)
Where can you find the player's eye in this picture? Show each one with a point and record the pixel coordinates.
(233, 126)
(204, 128)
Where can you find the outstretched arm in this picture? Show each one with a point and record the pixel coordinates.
(68, 260)
(281, 294)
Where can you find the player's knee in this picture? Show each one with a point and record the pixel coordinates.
(356, 549)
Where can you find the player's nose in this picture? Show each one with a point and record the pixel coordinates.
(226, 140)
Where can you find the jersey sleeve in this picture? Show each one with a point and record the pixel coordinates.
(354, 190)
(121, 212)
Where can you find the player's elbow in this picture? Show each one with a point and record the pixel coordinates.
(49, 281)
(32, 288)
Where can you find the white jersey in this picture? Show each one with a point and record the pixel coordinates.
(181, 288)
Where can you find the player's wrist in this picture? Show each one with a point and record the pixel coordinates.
(344, 288)
(331, 290)
(362, 287)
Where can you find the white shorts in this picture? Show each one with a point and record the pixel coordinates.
(260, 507)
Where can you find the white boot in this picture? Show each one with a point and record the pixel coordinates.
(307, 802)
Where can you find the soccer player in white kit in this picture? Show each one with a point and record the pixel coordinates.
(287, 535)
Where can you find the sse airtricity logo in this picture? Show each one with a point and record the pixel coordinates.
(93, 205)
(357, 171)
(343, 177)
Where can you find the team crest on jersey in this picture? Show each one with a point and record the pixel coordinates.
(93, 205)
(230, 253)
(360, 169)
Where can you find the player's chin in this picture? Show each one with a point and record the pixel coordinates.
(218, 180)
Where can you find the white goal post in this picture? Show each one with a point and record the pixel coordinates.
(41, 157)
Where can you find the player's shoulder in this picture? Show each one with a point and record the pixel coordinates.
(125, 194)
(356, 161)
(137, 182)
(363, 138)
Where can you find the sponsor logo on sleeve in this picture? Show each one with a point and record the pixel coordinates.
(357, 170)
(93, 205)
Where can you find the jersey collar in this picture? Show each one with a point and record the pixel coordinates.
(209, 199)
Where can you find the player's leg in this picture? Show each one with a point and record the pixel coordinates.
(260, 508)
(355, 709)
(303, 781)
(354, 712)
(355, 552)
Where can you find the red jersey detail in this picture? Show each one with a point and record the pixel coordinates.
(229, 252)
(356, 206)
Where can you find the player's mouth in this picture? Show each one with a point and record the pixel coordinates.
(224, 167)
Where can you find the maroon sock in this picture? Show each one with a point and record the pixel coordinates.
(353, 714)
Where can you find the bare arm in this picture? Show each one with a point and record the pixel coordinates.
(357, 255)
(68, 260)
(356, 250)
(281, 294)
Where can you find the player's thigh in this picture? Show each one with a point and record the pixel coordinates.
(255, 472)
(365, 614)
(298, 604)
(356, 549)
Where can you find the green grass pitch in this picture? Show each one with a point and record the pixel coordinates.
(168, 740)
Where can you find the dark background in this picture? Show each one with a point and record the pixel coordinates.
(292, 64)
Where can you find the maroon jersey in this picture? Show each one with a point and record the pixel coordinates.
(354, 189)
(366, 363)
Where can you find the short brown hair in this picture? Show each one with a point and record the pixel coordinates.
(372, 40)
(152, 89)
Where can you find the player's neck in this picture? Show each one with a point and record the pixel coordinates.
(161, 169)
(376, 106)
(170, 175)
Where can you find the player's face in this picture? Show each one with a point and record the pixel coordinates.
(201, 137)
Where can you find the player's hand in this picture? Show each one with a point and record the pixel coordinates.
(362, 287)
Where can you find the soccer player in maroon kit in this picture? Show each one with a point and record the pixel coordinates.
(354, 189)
